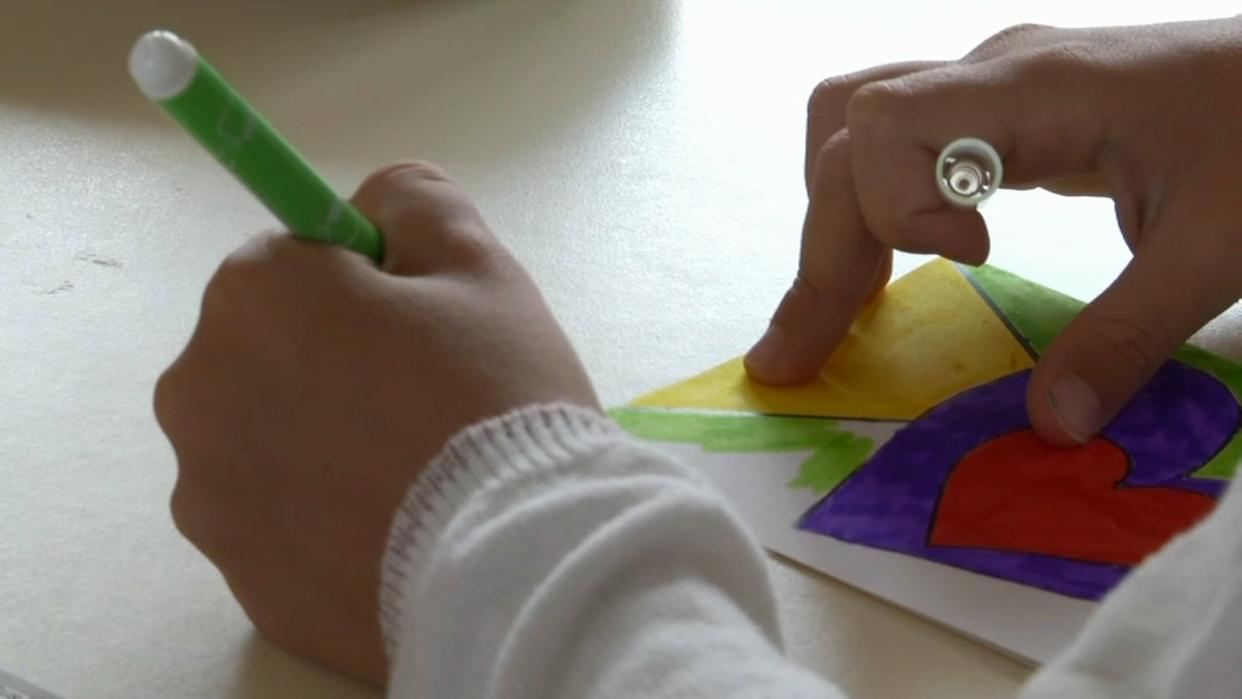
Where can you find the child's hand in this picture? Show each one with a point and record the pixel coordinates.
(1147, 115)
(316, 387)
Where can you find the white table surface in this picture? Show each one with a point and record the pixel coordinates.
(644, 158)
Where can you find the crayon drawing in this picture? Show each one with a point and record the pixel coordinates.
(968, 484)
(908, 467)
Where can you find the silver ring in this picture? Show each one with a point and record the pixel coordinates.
(968, 171)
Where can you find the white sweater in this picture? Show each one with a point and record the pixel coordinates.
(545, 555)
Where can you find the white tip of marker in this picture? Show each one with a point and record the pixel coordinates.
(163, 64)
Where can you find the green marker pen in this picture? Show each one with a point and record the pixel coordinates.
(170, 73)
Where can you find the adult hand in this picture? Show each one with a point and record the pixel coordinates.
(316, 387)
(1146, 115)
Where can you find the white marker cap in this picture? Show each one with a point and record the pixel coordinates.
(163, 64)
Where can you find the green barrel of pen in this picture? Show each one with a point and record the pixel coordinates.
(242, 140)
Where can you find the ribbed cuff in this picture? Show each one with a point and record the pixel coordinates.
(534, 438)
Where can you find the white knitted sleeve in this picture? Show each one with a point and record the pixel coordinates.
(544, 554)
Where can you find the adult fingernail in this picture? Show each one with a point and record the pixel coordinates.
(1076, 407)
(766, 353)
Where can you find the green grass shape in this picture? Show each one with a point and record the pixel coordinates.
(1226, 462)
(836, 453)
(1038, 314)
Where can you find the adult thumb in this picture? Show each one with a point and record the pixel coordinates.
(1109, 352)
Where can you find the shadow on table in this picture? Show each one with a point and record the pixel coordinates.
(871, 648)
(71, 56)
(267, 672)
(365, 81)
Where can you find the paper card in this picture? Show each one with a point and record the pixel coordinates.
(959, 513)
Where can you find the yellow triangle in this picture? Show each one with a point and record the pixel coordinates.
(929, 336)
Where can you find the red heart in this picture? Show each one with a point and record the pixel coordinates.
(1017, 493)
